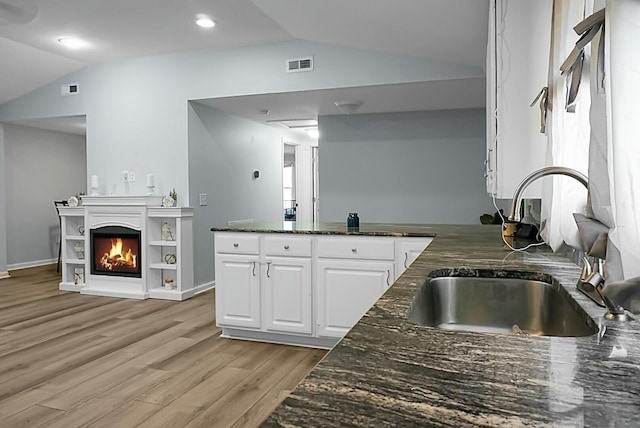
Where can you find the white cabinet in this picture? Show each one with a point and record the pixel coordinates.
(74, 248)
(268, 289)
(238, 301)
(287, 295)
(346, 289)
(407, 250)
(352, 273)
(170, 253)
(303, 289)
(517, 69)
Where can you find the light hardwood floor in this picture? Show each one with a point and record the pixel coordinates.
(69, 360)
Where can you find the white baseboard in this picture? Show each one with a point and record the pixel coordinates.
(243, 221)
(25, 265)
(4, 275)
(204, 287)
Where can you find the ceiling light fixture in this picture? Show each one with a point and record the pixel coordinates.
(295, 123)
(204, 21)
(313, 132)
(72, 42)
(348, 107)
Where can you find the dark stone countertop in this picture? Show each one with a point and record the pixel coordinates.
(387, 372)
(332, 228)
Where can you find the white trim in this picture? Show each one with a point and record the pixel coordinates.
(5, 275)
(161, 293)
(113, 293)
(244, 221)
(70, 286)
(26, 265)
(204, 287)
(145, 201)
(280, 338)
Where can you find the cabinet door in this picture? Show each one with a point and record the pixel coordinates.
(287, 288)
(346, 290)
(407, 250)
(237, 291)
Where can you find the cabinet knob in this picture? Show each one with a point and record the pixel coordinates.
(354, 250)
(286, 247)
(235, 245)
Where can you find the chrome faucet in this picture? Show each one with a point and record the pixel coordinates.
(591, 281)
(542, 172)
(589, 278)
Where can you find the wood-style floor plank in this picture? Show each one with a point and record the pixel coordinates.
(71, 360)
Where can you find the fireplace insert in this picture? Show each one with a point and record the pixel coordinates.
(116, 251)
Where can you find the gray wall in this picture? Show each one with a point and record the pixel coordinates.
(140, 106)
(40, 167)
(418, 167)
(224, 150)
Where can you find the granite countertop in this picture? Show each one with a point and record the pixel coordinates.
(332, 228)
(387, 372)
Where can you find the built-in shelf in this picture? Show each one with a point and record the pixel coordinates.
(163, 243)
(75, 237)
(166, 266)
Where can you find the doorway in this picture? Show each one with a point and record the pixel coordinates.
(289, 178)
(314, 186)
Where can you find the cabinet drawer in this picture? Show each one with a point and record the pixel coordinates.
(356, 248)
(286, 246)
(237, 244)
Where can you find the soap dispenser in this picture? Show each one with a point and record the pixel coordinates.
(353, 222)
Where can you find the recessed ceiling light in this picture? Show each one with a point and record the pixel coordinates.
(72, 42)
(204, 21)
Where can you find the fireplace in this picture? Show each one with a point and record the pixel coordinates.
(116, 251)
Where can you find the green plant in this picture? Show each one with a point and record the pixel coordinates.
(492, 218)
(173, 194)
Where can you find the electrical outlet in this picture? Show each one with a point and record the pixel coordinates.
(132, 176)
(203, 199)
(125, 176)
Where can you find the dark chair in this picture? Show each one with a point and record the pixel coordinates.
(59, 204)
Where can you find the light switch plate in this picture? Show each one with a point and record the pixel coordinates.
(203, 199)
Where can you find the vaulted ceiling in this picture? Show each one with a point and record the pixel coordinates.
(448, 30)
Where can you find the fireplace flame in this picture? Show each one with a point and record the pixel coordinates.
(116, 257)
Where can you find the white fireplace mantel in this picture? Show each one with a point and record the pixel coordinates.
(145, 214)
(123, 200)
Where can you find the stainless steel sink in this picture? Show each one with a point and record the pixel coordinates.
(535, 305)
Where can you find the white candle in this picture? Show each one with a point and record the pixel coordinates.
(150, 181)
(94, 181)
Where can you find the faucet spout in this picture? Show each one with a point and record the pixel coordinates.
(549, 170)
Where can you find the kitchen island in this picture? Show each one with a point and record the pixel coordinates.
(306, 285)
(389, 372)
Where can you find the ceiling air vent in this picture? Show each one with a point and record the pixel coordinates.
(300, 64)
(69, 89)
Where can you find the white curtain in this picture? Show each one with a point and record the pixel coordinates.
(622, 88)
(568, 132)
